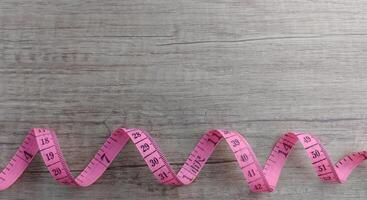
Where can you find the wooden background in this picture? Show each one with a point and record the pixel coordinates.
(178, 68)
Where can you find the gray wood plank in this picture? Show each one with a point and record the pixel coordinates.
(177, 69)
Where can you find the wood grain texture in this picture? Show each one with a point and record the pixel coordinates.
(178, 68)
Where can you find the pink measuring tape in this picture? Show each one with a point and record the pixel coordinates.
(259, 179)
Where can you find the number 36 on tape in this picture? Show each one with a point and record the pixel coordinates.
(259, 179)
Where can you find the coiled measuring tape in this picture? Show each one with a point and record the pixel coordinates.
(259, 179)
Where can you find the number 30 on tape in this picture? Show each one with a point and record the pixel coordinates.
(259, 179)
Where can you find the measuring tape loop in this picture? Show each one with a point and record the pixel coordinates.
(259, 179)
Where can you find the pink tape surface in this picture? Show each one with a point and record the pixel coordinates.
(259, 179)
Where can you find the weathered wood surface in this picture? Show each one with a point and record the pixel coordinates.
(178, 68)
